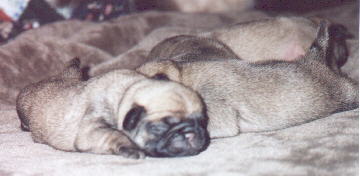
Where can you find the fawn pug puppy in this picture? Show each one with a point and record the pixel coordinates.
(121, 112)
(190, 48)
(280, 38)
(262, 96)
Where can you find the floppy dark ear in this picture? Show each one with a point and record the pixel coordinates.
(133, 117)
(160, 76)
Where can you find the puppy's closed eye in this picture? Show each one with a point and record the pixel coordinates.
(133, 117)
(160, 76)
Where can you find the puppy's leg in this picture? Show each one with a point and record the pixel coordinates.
(95, 135)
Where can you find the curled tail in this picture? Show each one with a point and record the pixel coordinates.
(318, 50)
(329, 46)
(319, 58)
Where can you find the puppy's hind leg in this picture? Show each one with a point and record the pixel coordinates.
(95, 135)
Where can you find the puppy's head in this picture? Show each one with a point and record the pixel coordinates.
(164, 118)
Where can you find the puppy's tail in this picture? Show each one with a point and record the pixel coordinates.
(329, 46)
(345, 90)
(319, 48)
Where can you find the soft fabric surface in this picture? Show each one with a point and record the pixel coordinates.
(328, 146)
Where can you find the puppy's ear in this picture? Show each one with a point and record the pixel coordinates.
(133, 117)
(72, 70)
(161, 76)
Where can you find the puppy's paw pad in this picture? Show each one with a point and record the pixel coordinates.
(131, 153)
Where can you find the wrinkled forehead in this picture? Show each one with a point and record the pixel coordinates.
(170, 100)
(157, 116)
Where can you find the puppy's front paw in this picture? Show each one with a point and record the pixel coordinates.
(131, 152)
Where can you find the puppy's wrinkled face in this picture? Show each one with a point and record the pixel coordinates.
(170, 136)
(166, 128)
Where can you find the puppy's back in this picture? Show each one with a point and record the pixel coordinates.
(188, 48)
(28, 97)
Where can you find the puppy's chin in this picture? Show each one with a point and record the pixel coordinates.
(182, 139)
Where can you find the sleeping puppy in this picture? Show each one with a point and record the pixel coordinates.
(121, 112)
(280, 38)
(262, 96)
(190, 48)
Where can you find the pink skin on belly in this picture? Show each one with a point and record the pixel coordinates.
(292, 51)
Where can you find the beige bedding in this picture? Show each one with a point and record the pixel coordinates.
(327, 146)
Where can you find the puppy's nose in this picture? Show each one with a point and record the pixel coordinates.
(187, 144)
(184, 140)
(190, 138)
